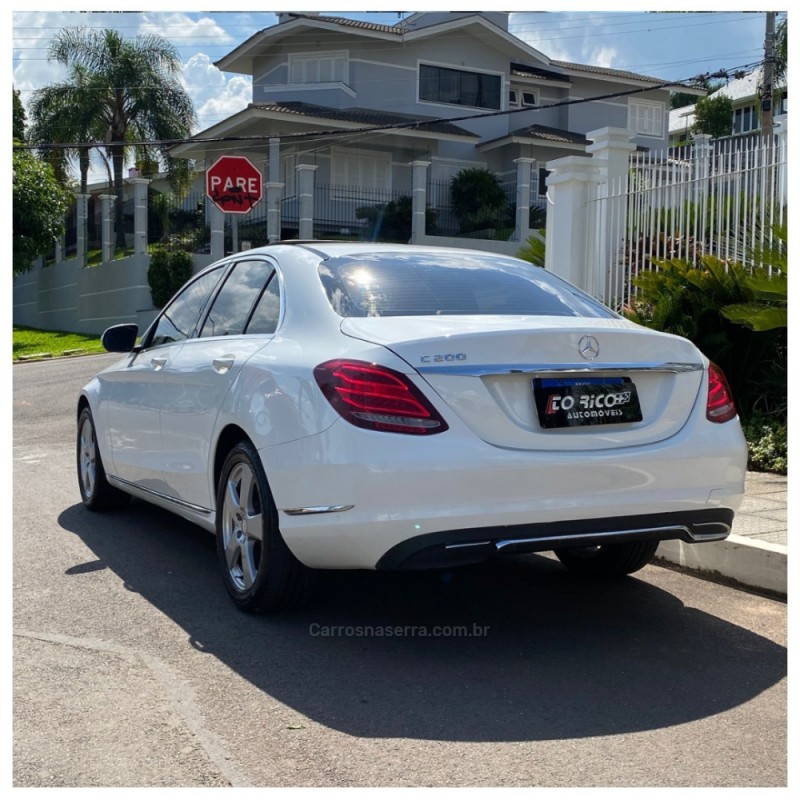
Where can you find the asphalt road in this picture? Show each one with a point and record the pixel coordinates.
(132, 668)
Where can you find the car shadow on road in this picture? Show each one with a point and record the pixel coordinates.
(548, 655)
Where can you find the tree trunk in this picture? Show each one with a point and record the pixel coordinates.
(117, 157)
(84, 164)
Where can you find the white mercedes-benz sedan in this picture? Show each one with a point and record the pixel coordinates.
(361, 405)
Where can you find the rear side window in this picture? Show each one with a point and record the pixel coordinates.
(268, 310)
(412, 285)
(232, 305)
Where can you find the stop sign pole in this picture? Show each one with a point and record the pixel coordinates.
(234, 184)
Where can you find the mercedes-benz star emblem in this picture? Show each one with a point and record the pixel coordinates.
(589, 347)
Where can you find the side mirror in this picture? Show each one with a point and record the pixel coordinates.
(120, 338)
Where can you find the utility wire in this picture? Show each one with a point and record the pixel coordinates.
(410, 125)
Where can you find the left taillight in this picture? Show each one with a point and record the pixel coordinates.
(719, 405)
(377, 398)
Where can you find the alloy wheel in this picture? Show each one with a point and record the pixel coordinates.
(242, 526)
(87, 456)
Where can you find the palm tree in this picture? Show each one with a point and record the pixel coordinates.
(120, 92)
(64, 114)
(781, 50)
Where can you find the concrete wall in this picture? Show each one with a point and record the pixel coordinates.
(68, 297)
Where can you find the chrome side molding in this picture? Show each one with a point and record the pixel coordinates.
(113, 479)
(296, 512)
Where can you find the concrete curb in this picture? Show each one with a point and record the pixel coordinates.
(760, 565)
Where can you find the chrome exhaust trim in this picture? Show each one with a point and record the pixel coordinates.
(682, 532)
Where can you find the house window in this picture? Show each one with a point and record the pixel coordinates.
(521, 98)
(318, 68)
(364, 170)
(745, 119)
(646, 117)
(459, 87)
(783, 103)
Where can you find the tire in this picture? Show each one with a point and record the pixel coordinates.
(608, 560)
(258, 569)
(96, 492)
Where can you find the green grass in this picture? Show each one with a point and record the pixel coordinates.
(94, 258)
(29, 341)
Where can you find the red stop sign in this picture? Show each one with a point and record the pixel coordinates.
(234, 184)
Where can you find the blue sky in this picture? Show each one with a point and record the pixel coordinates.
(672, 45)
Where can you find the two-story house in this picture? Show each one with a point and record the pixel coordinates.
(362, 101)
(745, 95)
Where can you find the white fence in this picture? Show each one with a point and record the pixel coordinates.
(719, 198)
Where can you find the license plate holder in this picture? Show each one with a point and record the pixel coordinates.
(582, 401)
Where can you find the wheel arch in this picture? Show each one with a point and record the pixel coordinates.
(228, 438)
(83, 402)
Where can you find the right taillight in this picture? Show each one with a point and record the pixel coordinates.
(377, 398)
(719, 405)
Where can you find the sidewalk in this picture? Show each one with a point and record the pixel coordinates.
(755, 554)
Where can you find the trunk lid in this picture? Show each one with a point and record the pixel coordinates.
(484, 367)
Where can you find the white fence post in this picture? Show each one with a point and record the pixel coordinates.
(107, 231)
(274, 189)
(81, 219)
(419, 199)
(274, 194)
(523, 221)
(139, 214)
(782, 141)
(305, 183)
(702, 166)
(216, 221)
(571, 187)
(611, 150)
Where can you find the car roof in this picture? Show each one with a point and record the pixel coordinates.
(328, 248)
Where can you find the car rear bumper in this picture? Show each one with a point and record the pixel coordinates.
(349, 498)
(472, 545)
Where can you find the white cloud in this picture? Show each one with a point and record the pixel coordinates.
(214, 95)
(181, 29)
(601, 56)
(33, 31)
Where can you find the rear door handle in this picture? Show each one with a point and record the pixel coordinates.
(222, 365)
(158, 363)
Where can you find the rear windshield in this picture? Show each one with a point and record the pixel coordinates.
(425, 284)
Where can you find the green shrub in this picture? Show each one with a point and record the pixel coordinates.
(767, 447)
(534, 250)
(168, 271)
(478, 200)
(690, 301)
(391, 222)
(769, 307)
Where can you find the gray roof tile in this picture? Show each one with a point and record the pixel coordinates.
(364, 116)
(616, 73)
